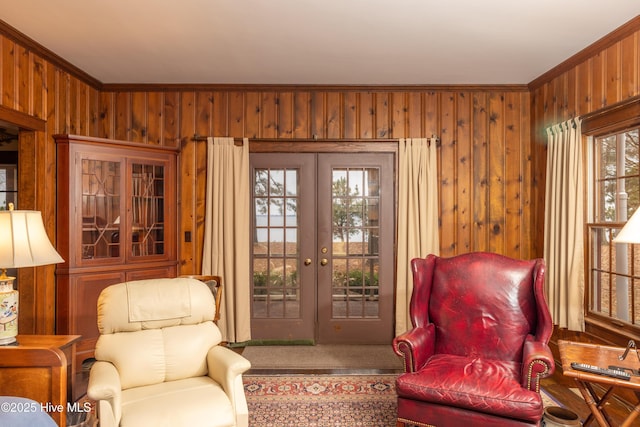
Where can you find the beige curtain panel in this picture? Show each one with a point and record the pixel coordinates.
(417, 216)
(226, 242)
(564, 225)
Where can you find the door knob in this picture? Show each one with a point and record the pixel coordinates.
(307, 261)
(324, 261)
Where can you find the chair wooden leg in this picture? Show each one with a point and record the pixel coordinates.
(399, 424)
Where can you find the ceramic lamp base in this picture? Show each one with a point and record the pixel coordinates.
(8, 311)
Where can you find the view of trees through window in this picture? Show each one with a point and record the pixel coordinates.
(614, 268)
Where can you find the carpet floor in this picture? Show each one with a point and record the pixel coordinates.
(321, 400)
(380, 358)
(326, 400)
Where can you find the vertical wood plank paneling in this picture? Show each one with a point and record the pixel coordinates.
(399, 115)
(572, 95)
(269, 119)
(628, 66)
(211, 119)
(527, 181)
(598, 82)
(38, 88)
(431, 114)
(253, 114)
(139, 117)
(154, 120)
(382, 115)
(448, 178)
(415, 114)
(480, 236)
(538, 162)
(301, 115)
(187, 186)
(63, 99)
(8, 73)
(106, 117)
(23, 83)
(123, 116)
(218, 114)
(73, 122)
(285, 115)
(513, 176)
(318, 121)
(171, 122)
(496, 173)
(334, 107)
(350, 115)
(236, 107)
(367, 112)
(584, 89)
(463, 174)
(612, 74)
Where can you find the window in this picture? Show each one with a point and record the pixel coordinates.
(8, 185)
(613, 269)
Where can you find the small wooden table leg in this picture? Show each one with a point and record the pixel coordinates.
(596, 405)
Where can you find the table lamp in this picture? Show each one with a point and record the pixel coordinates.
(23, 243)
(630, 233)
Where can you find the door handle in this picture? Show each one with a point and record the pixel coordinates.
(324, 261)
(307, 261)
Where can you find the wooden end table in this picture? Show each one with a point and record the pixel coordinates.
(42, 368)
(602, 356)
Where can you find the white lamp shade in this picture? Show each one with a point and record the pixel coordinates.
(630, 233)
(24, 241)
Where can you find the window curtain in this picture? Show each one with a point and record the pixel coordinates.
(417, 216)
(564, 225)
(226, 230)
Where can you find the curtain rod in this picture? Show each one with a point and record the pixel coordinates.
(240, 141)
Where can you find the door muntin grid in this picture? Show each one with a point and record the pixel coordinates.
(355, 198)
(276, 247)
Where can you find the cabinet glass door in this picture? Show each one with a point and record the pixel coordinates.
(147, 209)
(100, 209)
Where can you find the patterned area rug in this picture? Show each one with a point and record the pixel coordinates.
(321, 400)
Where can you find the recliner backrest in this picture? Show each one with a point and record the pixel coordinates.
(156, 330)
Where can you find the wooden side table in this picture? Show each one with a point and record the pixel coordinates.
(602, 356)
(42, 368)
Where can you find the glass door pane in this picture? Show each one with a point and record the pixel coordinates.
(147, 209)
(355, 197)
(100, 209)
(276, 292)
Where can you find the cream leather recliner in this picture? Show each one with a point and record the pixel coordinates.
(158, 358)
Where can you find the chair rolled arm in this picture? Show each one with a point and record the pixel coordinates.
(537, 363)
(105, 387)
(415, 347)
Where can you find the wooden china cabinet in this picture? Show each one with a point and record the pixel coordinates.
(116, 222)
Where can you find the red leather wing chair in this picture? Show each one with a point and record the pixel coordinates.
(479, 343)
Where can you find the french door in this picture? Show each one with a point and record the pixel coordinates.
(322, 250)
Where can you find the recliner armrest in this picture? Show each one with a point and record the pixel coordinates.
(226, 368)
(105, 387)
(537, 363)
(415, 347)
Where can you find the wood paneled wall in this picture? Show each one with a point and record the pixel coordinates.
(603, 74)
(491, 154)
(484, 149)
(43, 99)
